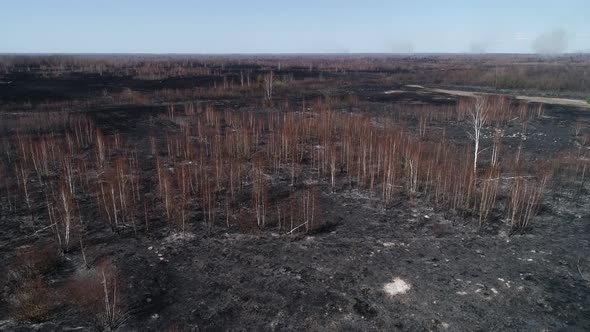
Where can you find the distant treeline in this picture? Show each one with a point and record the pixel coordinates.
(503, 71)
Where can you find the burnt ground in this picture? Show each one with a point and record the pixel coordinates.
(461, 278)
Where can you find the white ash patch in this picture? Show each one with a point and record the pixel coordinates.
(395, 244)
(310, 182)
(370, 202)
(506, 283)
(178, 237)
(397, 287)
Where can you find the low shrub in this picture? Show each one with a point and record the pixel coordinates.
(97, 292)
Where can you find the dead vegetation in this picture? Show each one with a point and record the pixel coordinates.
(213, 157)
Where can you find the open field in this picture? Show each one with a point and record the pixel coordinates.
(338, 193)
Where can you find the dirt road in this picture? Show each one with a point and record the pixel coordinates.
(544, 100)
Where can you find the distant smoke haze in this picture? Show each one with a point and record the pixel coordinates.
(551, 42)
(478, 47)
(401, 47)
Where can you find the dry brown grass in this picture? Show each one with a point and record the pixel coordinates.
(525, 199)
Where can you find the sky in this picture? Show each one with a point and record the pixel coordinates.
(295, 26)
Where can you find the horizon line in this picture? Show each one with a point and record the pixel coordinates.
(286, 53)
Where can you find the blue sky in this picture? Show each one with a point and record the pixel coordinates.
(296, 26)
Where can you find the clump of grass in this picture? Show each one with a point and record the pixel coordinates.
(31, 262)
(32, 301)
(30, 298)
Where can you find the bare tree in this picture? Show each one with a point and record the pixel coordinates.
(268, 85)
(578, 125)
(496, 147)
(477, 118)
